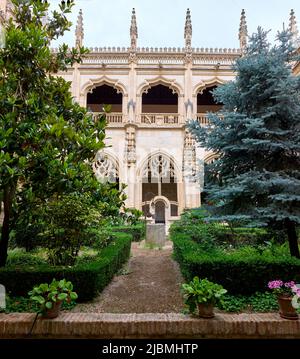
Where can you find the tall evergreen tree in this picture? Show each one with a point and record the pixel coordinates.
(257, 137)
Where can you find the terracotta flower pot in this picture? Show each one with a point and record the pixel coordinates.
(286, 310)
(54, 311)
(206, 310)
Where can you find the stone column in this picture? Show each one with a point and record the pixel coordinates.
(130, 134)
(76, 85)
(188, 87)
(190, 172)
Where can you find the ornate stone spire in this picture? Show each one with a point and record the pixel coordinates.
(293, 29)
(188, 30)
(133, 31)
(243, 32)
(79, 30)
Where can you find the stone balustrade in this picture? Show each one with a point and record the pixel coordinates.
(159, 118)
(202, 118)
(113, 117)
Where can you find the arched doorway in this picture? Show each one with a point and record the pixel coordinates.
(160, 212)
(159, 180)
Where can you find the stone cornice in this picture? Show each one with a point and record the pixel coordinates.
(160, 56)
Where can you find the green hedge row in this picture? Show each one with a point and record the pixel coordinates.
(238, 273)
(88, 278)
(137, 231)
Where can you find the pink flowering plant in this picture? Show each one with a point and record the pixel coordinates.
(282, 288)
(296, 297)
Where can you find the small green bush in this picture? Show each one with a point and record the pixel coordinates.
(258, 302)
(17, 258)
(137, 231)
(88, 278)
(243, 271)
(194, 223)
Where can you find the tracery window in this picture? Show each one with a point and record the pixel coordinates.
(159, 179)
(105, 168)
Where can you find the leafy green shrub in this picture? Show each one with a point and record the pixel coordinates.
(258, 302)
(68, 222)
(194, 223)
(19, 258)
(132, 216)
(99, 238)
(202, 291)
(47, 295)
(242, 271)
(88, 278)
(25, 305)
(137, 231)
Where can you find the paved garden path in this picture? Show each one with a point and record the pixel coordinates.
(149, 283)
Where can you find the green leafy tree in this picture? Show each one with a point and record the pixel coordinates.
(47, 141)
(256, 177)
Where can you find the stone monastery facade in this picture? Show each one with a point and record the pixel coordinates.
(153, 92)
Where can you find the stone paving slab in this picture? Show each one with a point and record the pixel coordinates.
(149, 325)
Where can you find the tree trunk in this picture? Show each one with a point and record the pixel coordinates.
(7, 200)
(292, 238)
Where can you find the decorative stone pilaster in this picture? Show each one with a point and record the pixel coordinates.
(190, 172)
(189, 158)
(130, 146)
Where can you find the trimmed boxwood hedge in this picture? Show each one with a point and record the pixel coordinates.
(237, 273)
(137, 231)
(88, 278)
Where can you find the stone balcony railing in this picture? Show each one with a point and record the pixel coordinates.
(160, 118)
(156, 119)
(202, 118)
(113, 117)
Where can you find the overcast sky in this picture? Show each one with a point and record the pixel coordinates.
(161, 22)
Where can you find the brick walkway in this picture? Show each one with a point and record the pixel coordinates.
(149, 284)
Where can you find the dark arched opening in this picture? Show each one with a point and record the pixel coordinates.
(104, 95)
(206, 101)
(160, 99)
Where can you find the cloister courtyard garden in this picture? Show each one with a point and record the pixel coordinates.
(73, 253)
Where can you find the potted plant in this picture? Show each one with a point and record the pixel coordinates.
(51, 296)
(285, 291)
(203, 295)
(296, 297)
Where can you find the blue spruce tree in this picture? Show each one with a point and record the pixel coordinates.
(256, 178)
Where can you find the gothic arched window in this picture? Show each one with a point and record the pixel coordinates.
(105, 168)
